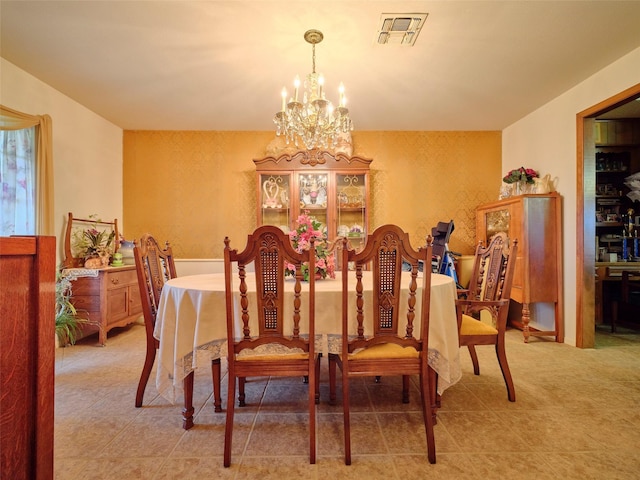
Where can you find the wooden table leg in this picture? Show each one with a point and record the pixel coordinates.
(187, 411)
(216, 374)
(435, 399)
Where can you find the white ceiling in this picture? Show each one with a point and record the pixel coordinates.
(220, 65)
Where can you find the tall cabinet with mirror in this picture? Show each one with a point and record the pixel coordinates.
(332, 189)
(535, 220)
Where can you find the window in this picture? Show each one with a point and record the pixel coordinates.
(18, 182)
(26, 173)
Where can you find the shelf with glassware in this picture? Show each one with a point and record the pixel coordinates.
(274, 199)
(332, 188)
(617, 161)
(351, 191)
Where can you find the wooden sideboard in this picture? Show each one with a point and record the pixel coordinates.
(27, 356)
(110, 299)
(536, 222)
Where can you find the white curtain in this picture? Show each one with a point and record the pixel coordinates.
(41, 196)
(18, 182)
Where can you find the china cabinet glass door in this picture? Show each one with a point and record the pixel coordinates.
(497, 221)
(313, 193)
(274, 200)
(351, 208)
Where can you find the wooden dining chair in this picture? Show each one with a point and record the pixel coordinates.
(626, 309)
(155, 266)
(381, 347)
(271, 332)
(489, 291)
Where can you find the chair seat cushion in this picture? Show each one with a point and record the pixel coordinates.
(471, 326)
(272, 358)
(385, 350)
(270, 352)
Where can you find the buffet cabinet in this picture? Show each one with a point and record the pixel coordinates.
(536, 222)
(333, 189)
(108, 298)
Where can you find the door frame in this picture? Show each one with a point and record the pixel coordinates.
(585, 203)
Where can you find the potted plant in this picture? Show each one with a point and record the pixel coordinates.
(94, 242)
(68, 324)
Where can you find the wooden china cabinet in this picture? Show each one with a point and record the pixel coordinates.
(333, 189)
(536, 222)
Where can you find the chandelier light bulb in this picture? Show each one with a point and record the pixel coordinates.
(284, 98)
(296, 84)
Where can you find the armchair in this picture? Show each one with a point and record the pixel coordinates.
(489, 291)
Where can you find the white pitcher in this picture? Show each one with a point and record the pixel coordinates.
(546, 184)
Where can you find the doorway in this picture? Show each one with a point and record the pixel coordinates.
(585, 229)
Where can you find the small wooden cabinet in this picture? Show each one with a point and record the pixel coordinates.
(334, 189)
(109, 299)
(535, 221)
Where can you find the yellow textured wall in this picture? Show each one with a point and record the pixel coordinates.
(195, 187)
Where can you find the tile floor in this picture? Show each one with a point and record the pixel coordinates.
(576, 417)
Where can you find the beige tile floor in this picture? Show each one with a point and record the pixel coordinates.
(577, 416)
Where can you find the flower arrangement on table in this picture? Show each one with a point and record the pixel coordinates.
(521, 175)
(93, 241)
(307, 228)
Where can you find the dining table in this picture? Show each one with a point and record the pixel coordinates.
(191, 325)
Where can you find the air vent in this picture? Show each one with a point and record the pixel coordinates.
(400, 28)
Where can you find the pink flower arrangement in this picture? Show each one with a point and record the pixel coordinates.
(307, 228)
(525, 175)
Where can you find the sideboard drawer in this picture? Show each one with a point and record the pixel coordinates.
(86, 303)
(121, 279)
(86, 286)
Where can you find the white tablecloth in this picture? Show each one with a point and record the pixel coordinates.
(191, 323)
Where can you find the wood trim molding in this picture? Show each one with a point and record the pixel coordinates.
(585, 250)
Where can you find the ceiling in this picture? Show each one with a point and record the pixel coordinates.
(220, 65)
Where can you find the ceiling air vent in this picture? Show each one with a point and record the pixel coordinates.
(400, 28)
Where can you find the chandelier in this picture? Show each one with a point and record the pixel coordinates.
(314, 120)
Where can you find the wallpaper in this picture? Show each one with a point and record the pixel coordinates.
(193, 188)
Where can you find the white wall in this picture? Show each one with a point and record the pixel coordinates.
(546, 141)
(87, 149)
